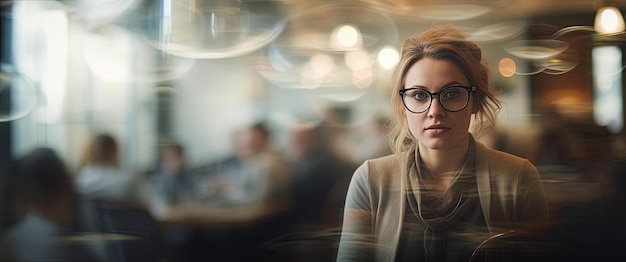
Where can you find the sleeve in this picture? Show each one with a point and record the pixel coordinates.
(532, 238)
(356, 237)
(532, 206)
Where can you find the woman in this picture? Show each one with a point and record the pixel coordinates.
(100, 175)
(441, 194)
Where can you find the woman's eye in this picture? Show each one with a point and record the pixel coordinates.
(451, 94)
(420, 95)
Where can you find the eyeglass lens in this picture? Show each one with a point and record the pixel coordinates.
(451, 99)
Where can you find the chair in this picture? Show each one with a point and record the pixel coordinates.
(520, 245)
(121, 218)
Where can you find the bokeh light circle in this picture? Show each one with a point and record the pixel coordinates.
(306, 58)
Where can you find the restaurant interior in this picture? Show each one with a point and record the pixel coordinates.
(207, 76)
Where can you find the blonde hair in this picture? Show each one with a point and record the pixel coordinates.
(446, 43)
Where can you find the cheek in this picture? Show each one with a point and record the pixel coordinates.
(473, 105)
(466, 121)
(414, 123)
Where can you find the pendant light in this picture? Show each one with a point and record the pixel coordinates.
(609, 20)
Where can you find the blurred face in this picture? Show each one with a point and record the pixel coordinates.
(437, 128)
(249, 143)
(172, 161)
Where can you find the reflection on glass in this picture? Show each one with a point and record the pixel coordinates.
(525, 67)
(560, 64)
(212, 29)
(335, 59)
(18, 97)
(437, 10)
(536, 49)
(110, 53)
(451, 12)
(497, 31)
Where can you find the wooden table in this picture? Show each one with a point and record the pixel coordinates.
(569, 188)
(568, 191)
(209, 215)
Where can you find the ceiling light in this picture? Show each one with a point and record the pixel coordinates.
(609, 20)
(345, 37)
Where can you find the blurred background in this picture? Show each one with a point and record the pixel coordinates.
(303, 83)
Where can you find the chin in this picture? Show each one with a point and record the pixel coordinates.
(441, 142)
(433, 143)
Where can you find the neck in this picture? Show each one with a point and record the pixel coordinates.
(443, 163)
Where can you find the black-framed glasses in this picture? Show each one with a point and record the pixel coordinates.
(452, 98)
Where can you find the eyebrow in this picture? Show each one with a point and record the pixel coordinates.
(453, 83)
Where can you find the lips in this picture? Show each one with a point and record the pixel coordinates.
(437, 129)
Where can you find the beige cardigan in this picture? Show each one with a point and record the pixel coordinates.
(510, 191)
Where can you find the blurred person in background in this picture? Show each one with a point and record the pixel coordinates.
(255, 173)
(337, 133)
(101, 179)
(43, 192)
(442, 193)
(169, 180)
(308, 231)
(167, 184)
(316, 173)
(100, 175)
(112, 201)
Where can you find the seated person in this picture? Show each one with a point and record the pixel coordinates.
(42, 189)
(255, 173)
(100, 175)
(169, 180)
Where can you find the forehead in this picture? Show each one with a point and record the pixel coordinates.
(434, 74)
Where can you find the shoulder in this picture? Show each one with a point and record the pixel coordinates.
(498, 158)
(502, 165)
(378, 173)
(377, 168)
(389, 163)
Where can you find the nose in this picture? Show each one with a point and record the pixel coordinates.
(435, 109)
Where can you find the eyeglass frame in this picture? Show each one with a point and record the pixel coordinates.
(469, 90)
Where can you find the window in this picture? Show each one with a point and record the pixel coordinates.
(607, 87)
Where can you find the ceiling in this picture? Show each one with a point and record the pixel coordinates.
(499, 8)
(471, 13)
(555, 7)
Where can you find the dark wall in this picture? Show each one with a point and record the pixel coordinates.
(575, 86)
